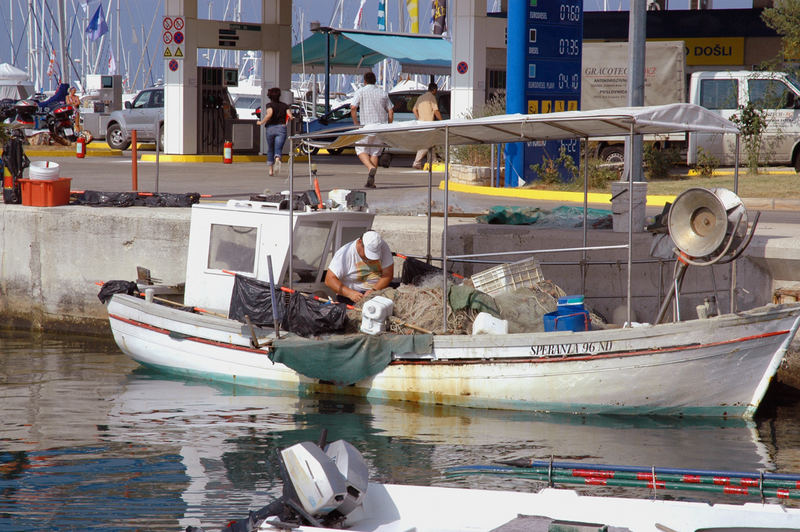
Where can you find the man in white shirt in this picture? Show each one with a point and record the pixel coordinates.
(360, 267)
(372, 105)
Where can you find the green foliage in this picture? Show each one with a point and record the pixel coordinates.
(752, 123)
(4, 134)
(706, 163)
(548, 171)
(600, 174)
(479, 154)
(658, 162)
(784, 18)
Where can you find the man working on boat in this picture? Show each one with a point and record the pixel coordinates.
(360, 267)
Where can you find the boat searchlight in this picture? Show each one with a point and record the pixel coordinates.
(707, 226)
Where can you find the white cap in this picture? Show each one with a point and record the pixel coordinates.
(372, 245)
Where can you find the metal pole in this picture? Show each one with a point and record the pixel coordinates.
(585, 211)
(735, 191)
(636, 52)
(275, 321)
(430, 201)
(327, 71)
(291, 210)
(444, 229)
(134, 167)
(630, 236)
(158, 149)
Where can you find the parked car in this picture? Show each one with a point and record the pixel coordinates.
(339, 118)
(142, 114)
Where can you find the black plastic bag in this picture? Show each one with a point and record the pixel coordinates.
(251, 297)
(307, 317)
(165, 199)
(414, 271)
(96, 198)
(117, 287)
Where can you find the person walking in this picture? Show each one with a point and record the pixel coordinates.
(370, 105)
(276, 116)
(426, 108)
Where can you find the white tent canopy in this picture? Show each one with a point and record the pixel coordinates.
(14, 82)
(660, 119)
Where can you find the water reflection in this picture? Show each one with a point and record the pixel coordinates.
(113, 445)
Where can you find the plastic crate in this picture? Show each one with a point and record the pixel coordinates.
(507, 277)
(45, 193)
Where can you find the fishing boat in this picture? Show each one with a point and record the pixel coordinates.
(326, 488)
(719, 366)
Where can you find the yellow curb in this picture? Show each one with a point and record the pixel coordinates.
(173, 158)
(548, 195)
(71, 153)
(761, 171)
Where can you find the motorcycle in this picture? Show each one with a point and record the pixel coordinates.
(61, 124)
(51, 114)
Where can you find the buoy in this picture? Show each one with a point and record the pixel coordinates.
(80, 148)
(227, 152)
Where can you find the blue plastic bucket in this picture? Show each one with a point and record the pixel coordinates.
(567, 320)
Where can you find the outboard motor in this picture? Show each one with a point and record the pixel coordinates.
(322, 484)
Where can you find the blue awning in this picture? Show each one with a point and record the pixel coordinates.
(352, 52)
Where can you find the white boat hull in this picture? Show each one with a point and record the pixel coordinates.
(390, 508)
(720, 366)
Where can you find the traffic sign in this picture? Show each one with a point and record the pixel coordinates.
(167, 37)
(178, 53)
(173, 65)
(178, 37)
(178, 23)
(462, 67)
(167, 23)
(167, 52)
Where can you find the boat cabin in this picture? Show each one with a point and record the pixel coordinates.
(241, 236)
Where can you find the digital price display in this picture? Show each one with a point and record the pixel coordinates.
(553, 47)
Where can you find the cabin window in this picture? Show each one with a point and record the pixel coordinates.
(719, 93)
(232, 247)
(310, 242)
(770, 94)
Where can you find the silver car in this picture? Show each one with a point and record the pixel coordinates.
(143, 114)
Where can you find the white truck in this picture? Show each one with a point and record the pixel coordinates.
(604, 84)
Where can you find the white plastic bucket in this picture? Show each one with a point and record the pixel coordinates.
(43, 170)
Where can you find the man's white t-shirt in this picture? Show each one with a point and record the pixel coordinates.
(353, 272)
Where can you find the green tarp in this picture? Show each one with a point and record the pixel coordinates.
(347, 359)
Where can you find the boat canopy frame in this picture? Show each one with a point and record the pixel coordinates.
(583, 125)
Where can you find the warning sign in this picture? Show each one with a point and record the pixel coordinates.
(178, 53)
(167, 52)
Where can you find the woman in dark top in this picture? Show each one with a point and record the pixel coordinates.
(276, 115)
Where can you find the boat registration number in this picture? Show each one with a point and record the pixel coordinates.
(582, 348)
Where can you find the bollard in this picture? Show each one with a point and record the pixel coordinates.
(227, 152)
(80, 148)
(134, 168)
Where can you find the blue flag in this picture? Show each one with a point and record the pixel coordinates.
(97, 25)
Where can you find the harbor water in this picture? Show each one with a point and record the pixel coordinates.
(91, 440)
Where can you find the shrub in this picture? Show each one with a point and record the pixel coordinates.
(752, 122)
(706, 163)
(548, 171)
(658, 162)
(479, 154)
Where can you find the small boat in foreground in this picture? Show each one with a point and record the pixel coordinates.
(326, 488)
(720, 366)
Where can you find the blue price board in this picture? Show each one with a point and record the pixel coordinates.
(554, 76)
(559, 12)
(562, 42)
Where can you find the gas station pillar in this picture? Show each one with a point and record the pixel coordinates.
(180, 77)
(468, 70)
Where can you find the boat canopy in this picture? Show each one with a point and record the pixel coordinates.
(360, 51)
(658, 119)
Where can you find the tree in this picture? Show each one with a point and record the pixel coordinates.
(784, 18)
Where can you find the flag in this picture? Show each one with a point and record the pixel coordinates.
(112, 63)
(359, 14)
(381, 15)
(97, 25)
(412, 6)
(51, 67)
(439, 17)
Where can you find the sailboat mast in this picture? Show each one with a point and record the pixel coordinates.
(62, 55)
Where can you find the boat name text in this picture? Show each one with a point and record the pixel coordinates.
(570, 349)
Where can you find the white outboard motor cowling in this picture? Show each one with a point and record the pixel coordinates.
(352, 466)
(320, 487)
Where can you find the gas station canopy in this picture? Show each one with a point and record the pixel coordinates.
(358, 51)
